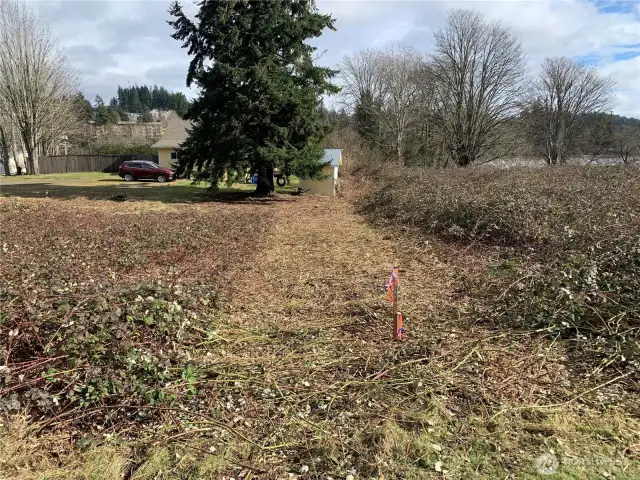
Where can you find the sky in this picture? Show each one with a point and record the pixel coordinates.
(124, 42)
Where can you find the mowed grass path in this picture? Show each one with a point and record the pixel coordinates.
(310, 383)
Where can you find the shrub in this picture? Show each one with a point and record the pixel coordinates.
(569, 239)
(105, 305)
(561, 207)
(130, 347)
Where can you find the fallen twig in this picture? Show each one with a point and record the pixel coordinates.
(562, 404)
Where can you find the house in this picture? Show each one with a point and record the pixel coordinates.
(174, 135)
(329, 185)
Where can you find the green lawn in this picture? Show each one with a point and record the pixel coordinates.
(100, 186)
(76, 176)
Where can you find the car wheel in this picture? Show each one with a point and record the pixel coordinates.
(161, 179)
(281, 181)
(128, 177)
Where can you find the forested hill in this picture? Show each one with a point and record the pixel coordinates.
(140, 98)
(616, 121)
(621, 121)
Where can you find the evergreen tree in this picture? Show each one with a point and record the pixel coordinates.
(84, 108)
(145, 97)
(135, 104)
(106, 115)
(260, 90)
(122, 100)
(600, 138)
(181, 104)
(171, 101)
(366, 117)
(155, 97)
(138, 98)
(129, 97)
(98, 101)
(114, 116)
(122, 114)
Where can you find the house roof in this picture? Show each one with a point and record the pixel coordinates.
(174, 135)
(332, 156)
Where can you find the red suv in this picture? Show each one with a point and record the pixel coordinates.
(140, 170)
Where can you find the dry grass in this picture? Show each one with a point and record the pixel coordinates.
(302, 375)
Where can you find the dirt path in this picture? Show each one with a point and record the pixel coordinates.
(309, 325)
(310, 330)
(323, 267)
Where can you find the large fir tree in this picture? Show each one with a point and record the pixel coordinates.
(260, 90)
(135, 104)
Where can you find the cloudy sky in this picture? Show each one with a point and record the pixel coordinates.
(113, 42)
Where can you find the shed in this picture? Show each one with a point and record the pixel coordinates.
(328, 186)
(171, 141)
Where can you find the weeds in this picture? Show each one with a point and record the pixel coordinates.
(568, 242)
(287, 369)
(110, 314)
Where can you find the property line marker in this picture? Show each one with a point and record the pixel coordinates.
(392, 295)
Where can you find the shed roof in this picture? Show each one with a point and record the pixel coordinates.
(332, 156)
(174, 135)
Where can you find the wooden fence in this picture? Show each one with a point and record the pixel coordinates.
(87, 163)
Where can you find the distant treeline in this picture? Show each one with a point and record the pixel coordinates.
(138, 98)
(600, 135)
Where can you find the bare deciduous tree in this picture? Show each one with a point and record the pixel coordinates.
(400, 94)
(360, 76)
(6, 137)
(564, 94)
(626, 141)
(361, 91)
(479, 79)
(385, 87)
(36, 82)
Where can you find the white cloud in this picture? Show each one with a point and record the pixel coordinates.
(134, 35)
(356, 11)
(626, 73)
(574, 28)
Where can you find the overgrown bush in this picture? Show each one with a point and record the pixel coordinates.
(132, 346)
(107, 307)
(562, 208)
(569, 239)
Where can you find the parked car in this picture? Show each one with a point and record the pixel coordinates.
(140, 170)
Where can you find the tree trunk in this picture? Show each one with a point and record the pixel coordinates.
(5, 162)
(462, 157)
(265, 186)
(554, 153)
(32, 167)
(399, 149)
(4, 147)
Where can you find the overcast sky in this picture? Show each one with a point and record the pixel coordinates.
(113, 42)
